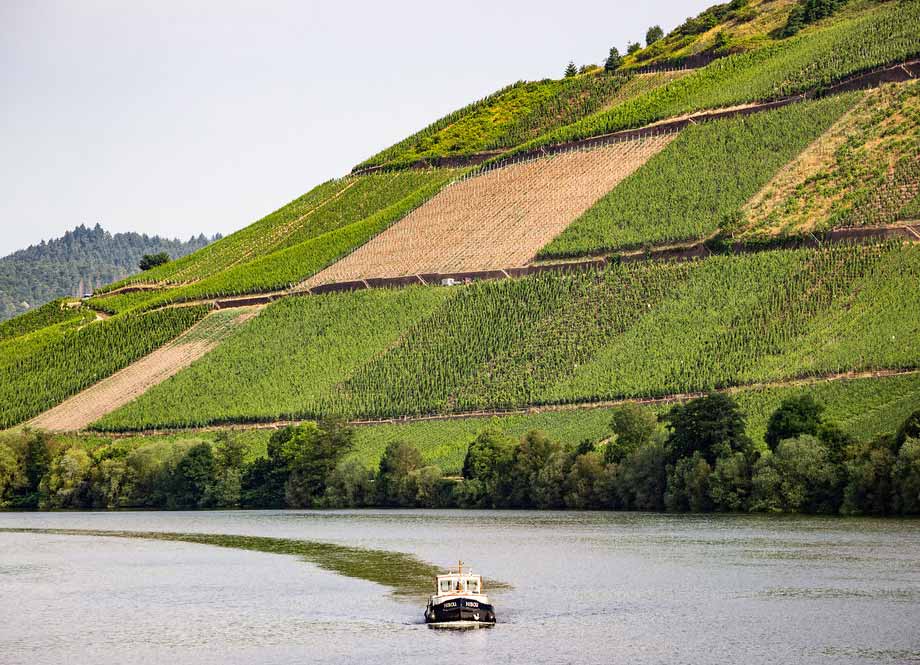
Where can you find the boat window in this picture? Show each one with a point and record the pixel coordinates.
(473, 586)
(445, 585)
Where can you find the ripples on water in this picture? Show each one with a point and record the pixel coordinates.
(586, 587)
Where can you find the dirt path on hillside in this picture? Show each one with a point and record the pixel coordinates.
(100, 399)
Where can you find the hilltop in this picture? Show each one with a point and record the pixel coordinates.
(732, 207)
(79, 261)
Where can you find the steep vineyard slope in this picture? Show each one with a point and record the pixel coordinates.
(637, 330)
(497, 220)
(125, 385)
(700, 181)
(864, 171)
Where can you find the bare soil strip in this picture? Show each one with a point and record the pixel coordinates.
(531, 410)
(90, 405)
(497, 220)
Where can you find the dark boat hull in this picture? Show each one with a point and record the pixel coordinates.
(460, 611)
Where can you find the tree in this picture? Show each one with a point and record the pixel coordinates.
(571, 70)
(488, 463)
(653, 35)
(633, 426)
(311, 453)
(350, 485)
(868, 489)
(66, 482)
(798, 477)
(12, 477)
(530, 461)
(632, 47)
(149, 261)
(688, 485)
(712, 425)
(394, 486)
(795, 416)
(583, 484)
(229, 457)
(614, 60)
(905, 476)
(730, 483)
(194, 475)
(910, 429)
(641, 478)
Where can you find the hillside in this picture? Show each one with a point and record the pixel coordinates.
(80, 261)
(733, 209)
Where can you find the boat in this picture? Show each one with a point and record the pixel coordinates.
(459, 601)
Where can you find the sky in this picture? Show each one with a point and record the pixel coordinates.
(180, 118)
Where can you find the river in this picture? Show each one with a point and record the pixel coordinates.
(579, 588)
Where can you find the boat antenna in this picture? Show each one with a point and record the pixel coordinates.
(459, 567)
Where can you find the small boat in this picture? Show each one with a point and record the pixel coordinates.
(459, 601)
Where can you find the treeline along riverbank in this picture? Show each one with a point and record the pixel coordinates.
(695, 457)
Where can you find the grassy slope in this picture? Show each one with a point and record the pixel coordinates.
(511, 116)
(864, 172)
(699, 181)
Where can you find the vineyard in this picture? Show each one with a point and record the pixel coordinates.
(866, 171)
(799, 64)
(699, 181)
(287, 359)
(316, 216)
(496, 220)
(54, 313)
(40, 370)
(127, 384)
(637, 330)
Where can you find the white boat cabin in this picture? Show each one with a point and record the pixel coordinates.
(459, 584)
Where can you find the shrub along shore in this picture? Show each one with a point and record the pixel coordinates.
(694, 457)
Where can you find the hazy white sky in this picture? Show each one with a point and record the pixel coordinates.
(177, 118)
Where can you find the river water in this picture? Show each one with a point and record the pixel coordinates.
(584, 588)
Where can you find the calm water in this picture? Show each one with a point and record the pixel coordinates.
(587, 588)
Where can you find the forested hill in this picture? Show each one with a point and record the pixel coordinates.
(91, 256)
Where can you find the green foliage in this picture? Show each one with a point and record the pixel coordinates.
(795, 416)
(633, 426)
(38, 372)
(284, 363)
(906, 478)
(509, 117)
(801, 63)
(689, 189)
(712, 426)
(149, 261)
(394, 487)
(688, 485)
(53, 313)
(287, 267)
(194, 474)
(76, 263)
(613, 61)
(486, 469)
(571, 70)
(809, 11)
(799, 476)
(653, 35)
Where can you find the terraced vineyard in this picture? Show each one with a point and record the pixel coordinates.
(54, 313)
(864, 171)
(699, 182)
(38, 371)
(497, 220)
(796, 65)
(117, 390)
(638, 330)
(324, 213)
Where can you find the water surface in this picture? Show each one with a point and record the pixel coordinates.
(584, 587)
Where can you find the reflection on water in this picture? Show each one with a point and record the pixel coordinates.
(586, 587)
